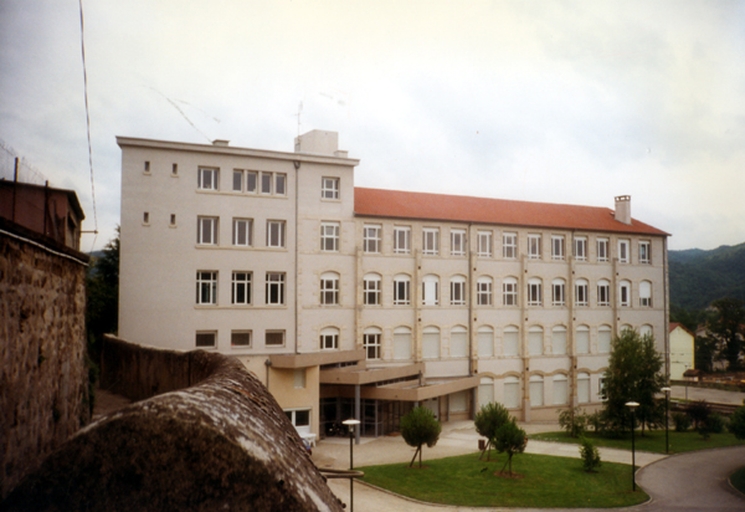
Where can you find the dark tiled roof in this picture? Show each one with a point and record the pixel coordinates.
(396, 204)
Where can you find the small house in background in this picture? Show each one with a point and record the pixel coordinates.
(681, 351)
(52, 212)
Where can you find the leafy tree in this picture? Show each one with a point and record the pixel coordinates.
(488, 420)
(698, 412)
(633, 374)
(737, 423)
(590, 455)
(705, 353)
(726, 327)
(573, 421)
(510, 439)
(420, 427)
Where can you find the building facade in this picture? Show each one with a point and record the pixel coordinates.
(349, 301)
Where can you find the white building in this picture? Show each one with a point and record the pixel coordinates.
(351, 301)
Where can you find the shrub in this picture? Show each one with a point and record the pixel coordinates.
(597, 421)
(682, 421)
(698, 412)
(420, 427)
(573, 421)
(488, 420)
(737, 423)
(590, 456)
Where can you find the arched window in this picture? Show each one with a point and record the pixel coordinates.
(402, 343)
(329, 338)
(645, 294)
(583, 339)
(536, 390)
(558, 292)
(329, 288)
(483, 291)
(509, 291)
(559, 340)
(511, 341)
(401, 290)
(583, 387)
(459, 341)
(371, 342)
(535, 292)
(431, 342)
(603, 292)
(486, 391)
(604, 339)
(581, 293)
(458, 291)
(535, 341)
(624, 293)
(486, 341)
(430, 290)
(561, 390)
(371, 289)
(646, 330)
(511, 392)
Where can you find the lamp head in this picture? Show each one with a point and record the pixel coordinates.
(351, 423)
(666, 389)
(632, 405)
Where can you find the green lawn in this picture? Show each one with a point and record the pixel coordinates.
(544, 482)
(651, 441)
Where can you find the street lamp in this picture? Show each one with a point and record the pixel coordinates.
(633, 406)
(667, 390)
(351, 423)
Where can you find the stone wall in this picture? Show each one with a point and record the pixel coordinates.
(43, 376)
(222, 444)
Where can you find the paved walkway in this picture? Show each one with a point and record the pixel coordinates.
(458, 438)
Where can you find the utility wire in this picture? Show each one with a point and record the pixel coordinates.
(88, 120)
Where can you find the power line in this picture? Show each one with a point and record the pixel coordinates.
(88, 118)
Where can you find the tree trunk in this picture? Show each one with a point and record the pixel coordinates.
(418, 449)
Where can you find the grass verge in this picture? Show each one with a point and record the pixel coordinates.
(652, 441)
(543, 482)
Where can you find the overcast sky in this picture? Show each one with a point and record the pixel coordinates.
(563, 102)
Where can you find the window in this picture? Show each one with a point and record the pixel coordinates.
(580, 248)
(601, 389)
(645, 294)
(430, 241)
(557, 247)
(486, 391)
(561, 394)
(535, 292)
(458, 291)
(509, 291)
(431, 343)
(207, 230)
(371, 343)
(275, 288)
(330, 236)
(402, 343)
(300, 419)
(371, 285)
(402, 239)
(511, 392)
(583, 387)
(146, 169)
(604, 339)
(240, 339)
(511, 341)
(603, 249)
(252, 181)
(174, 169)
(559, 340)
(583, 339)
(329, 188)
(275, 233)
(457, 242)
(329, 338)
(623, 251)
(237, 180)
(173, 219)
(242, 232)
(483, 291)
(624, 293)
(558, 292)
(459, 341)
(329, 288)
(266, 182)
(241, 290)
(206, 287)
(371, 239)
(581, 293)
(484, 244)
(536, 391)
(274, 338)
(206, 339)
(509, 246)
(645, 257)
(646, 330)
(146, 218)
(535, 341)
(280, 184)
(401, 290)
(603, 292)
(485, 337)
(298, 377)
(534, 247)
(430, 290)
(207, 178)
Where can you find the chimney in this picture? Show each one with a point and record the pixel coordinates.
(320, 142)
(623, 209)
(220, 142)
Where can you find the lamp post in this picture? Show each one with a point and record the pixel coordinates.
(667, 390)
(633, 406)
(351, 423)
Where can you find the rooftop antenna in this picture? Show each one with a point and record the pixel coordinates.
(299, 113)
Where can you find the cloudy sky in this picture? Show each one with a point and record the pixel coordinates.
(564, 102)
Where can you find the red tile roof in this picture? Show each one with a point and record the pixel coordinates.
(370, 202)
